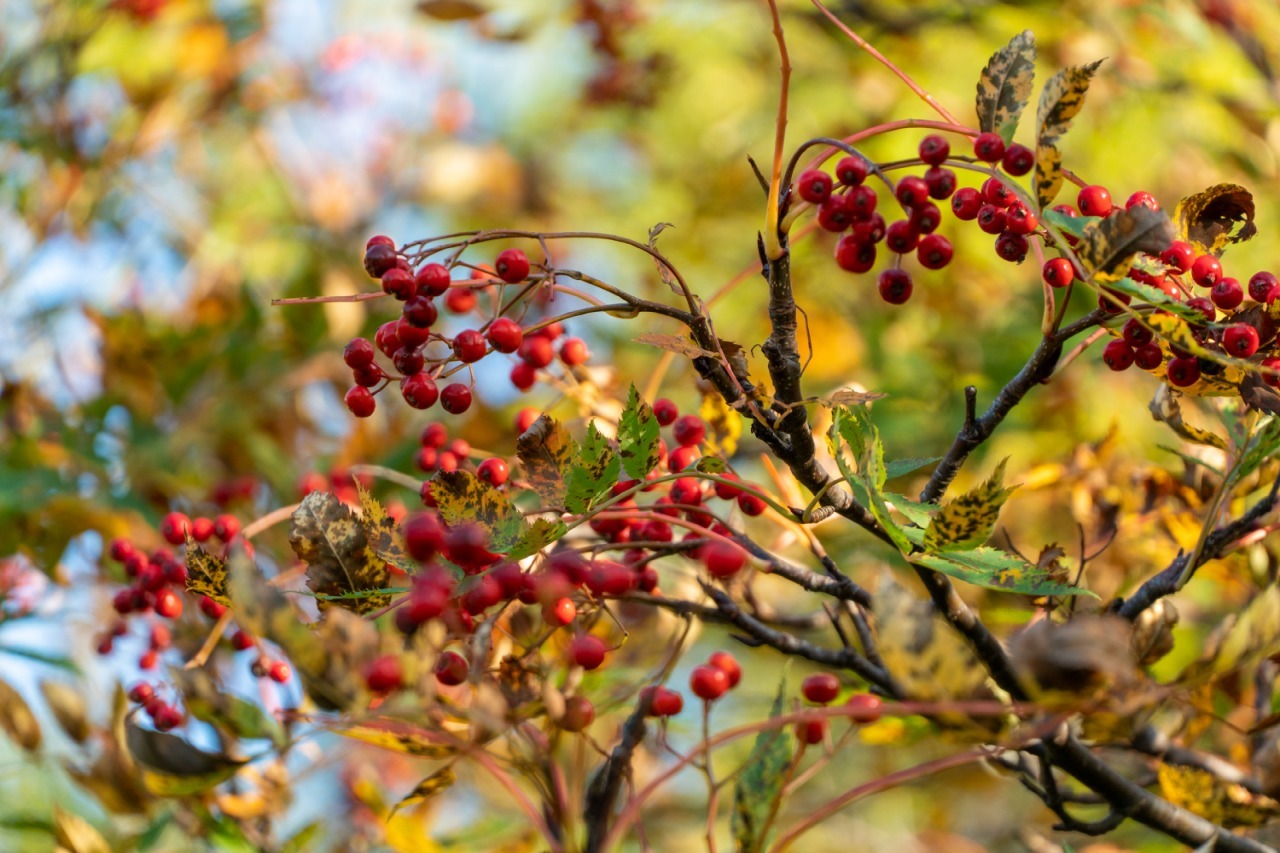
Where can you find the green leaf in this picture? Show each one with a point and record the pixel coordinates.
(1108, 244)
(540, 534)
(638, 437)
(1072, 225)
(967, 521)
(851, 424)
(1155, 296)
(1211, 220)
(919, 514)
(463, 497)
(174, 768)
(592, 472)
(1261, 447)
(1004, 88)
(759, 786)
(211, 703)
(873, 477)
(901, 467)
(545, 450)
(999, 570)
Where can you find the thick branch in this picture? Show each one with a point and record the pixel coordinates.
(603, 791)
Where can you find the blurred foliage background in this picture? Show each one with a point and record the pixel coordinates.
(167, 168)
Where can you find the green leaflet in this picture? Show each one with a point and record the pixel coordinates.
(638, 437)
(759, 786)
(592, 472)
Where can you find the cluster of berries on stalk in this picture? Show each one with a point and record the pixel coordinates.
(405, 340)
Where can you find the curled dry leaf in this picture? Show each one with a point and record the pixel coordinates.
(1153, 632)
(1213, 219)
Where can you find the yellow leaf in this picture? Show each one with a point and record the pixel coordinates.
(75, 834)
(928, 658)
(17, 720)
(545, 450)
(1249, 637)
(1204, 794)
(332, 541)
(408, 830)
(206, 574)
(385, 539)
(1048, 176)
(1005, 85)
(400, 737)
(1060, 101)
(1211, 220)
(1164, 407)
(429, 787)
(724, 425)
(462, 497)
(967, 521)
(202, 50)
(68, 707)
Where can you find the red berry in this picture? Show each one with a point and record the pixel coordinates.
(451, 669)
(925, 218)
(1148, 356)
(408, 361)
(836, 213)
(358, 353)
(399, 284)
(512, 265)
(934, 149)
(750, 504)
(469, 346)
(387, 338)
(1019, 219)
(820, 688)
(148, 659)
(991, 219)
(708, 682)
(360, 402)
(911, 191)
(1142, 198)
(1058, 272)
(1118, 355)
(384, 674)
(434, 434)
(729, 665)
(560, 612)
(167, 717)
(505, 335)
(966, 203)
(379, 258)
(689, 430)
(523, 376)
(854, 256)
(279, 672)
(814, 186)
(573, 352)
(587, 651)
(455, 398)
(161, 637)
(1094, 200)
(432, 280)
(895, 288)
(460, 300)
(862, 202)
(1136, 334)
(934, 252)
(663, 702)
(865, 707)
(1272, 378)
(1227, 294)
(211, 608)
(941, 182)
(484, 593)
(201, 529)
(665, 411)
(900, 237)
(852, 171)
(988, 147)
(225, 527)
(537, 351)
(1264, 287)
(379, 240)
(812, 732)
(578, 714)
(1183, 371)
(419, 391)
(141, 692)
(1011, 247)
(525, 418)
(423, 535)
(242, 641)
(1018, 160)
(997, 192)
(168, 604)
(174, 527)
(493, 471)
(1206, 270)
(1240, 340)
(723, 559)
(1179, 256)
(1204, 306)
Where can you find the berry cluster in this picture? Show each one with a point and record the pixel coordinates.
(405, 340)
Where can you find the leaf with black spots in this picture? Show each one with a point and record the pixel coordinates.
(429, 787)
(1004, 88)
(638, 437)
(592, 472)
(333, 542)
(1047, 180)
(400, 737)
(1110, 243)
(545, 450)
(541, 533)
(385, 538)
(999, 570)
(462, 497)
(1061, 100)
(759, 787)
(206, 574)
(967, 521)
(1212, 798)
(1213, 219)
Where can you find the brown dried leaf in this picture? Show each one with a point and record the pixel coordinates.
(850, 397)
(1004, 88)
(385, 538)
(206, 574)
(1109, 244)
(333, 542)
(68, 707)
(429, 787)
(1153, 632)
(674, 343)
(1212, 219)
(546, 450)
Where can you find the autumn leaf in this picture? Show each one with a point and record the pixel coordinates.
(206, 574)
(592, 472)
(759, 787)
(429, 787)
(17, 720)
(1204, 794)
(1242, 640)
(1165, 408)
(638, 437)
(385, 539)
(68, 707)
(1109, 243)
(1047, 180)
(541, 533)
(462, 497)
(992, 568)
(545, 450)
(451, 10)
(724, 425)
(849, 397)
(1061, 100)
(399, 737)
(174, 768)
(1216, 217)
(925, 654)
(967, 521)
(674, 343)
(333, 542)
(1004, 87)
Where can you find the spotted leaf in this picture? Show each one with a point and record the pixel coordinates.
(1060, 101)
(1213, 219)
(333, 542)
(638, 437)
(385, 538)
(463, 497)
(967, 521)
(1004, 88)
(1048, 174)
(545, 450)
(592, 472)
(1109, 244)
(995, 569)
(206, 574)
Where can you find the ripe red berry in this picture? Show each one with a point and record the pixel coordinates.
(854, 256)
(1183, 371)
(432, 280)
(708, 682)
(408, 361)
(1179, 256)
(537, 351)
(399, 283)
(862, 202)
(1011, 247)
(379, 240)
(729, 665)
(811, 732)
(505, 335)
(455, 398)
(469, 346)
(1020, 220)
(493, 471)
(665, 411)
(997, 192)
(201, 528)
(1206, 270)
(895, 287)
(689, 430)
(242, 641)
(523, 376)
(1118, 355)
(865, 708)
(360, 402)
(991, 219)
(211, 608)
(467, 545)
(166, 717)
(925, 218)
(384, 674)
(434, 434)
(168, 604)
(1272, 377)
(941, 182)
(988, 147)
(560, 612)
(279, 672)
(587, 651)
(814, 186)
(387, 338)
(174, 527)
(525, 418)
(148, 659)
(1148, 356)
(966, 203)
(1094, 200)
(484, 593)
(723, 559)
(1018, 160)
(379, 258)
(423, 535)
(460, 300)
(1058, 272)
(1240, 340)
(512, 265)
(419, 391)
(573, 352)
(662, 701)
(1136, 334)
(1204, 306)
(750, 504)
(852, 171)
(1227, 294)
(836, 213)
(1142, 198)
(358, 353)
(1264, 287)
(934, 252)
(451, 669)
(578, 714)
(820, 688)
(912, 191)
(934, 149)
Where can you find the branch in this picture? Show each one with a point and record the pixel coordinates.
(603, 790)
(1153, 742)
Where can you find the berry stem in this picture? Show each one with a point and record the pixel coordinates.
(772, 241)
